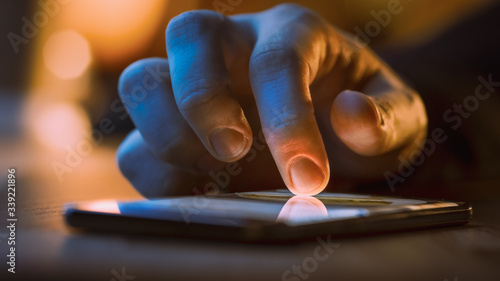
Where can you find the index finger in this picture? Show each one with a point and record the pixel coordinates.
(283, 63)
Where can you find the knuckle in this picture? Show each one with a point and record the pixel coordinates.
(187, 19)
(283, 121)
(275, 57)
(196, 92)
(308, 17)
(141, 76)
(297, 14)
(181, 29)
(275, 52)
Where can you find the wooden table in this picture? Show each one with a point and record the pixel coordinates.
(48, 250)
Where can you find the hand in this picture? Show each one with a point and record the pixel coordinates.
(282, 77)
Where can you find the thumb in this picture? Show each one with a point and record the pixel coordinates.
(386, 116)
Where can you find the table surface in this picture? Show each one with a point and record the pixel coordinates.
(48, 250)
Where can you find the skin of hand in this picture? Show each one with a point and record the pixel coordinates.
(283, 76)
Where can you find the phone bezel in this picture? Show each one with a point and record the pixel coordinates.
(251, 230)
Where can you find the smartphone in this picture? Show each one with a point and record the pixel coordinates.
(266, 216)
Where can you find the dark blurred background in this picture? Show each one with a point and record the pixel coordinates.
(60, 61)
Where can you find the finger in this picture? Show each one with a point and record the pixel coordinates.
(149, 175)
(386, 116)
(146, 92)
(200, 82)
(282, 66)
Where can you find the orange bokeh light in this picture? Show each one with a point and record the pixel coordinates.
(57, 126)
(116, 29)
(66, 54)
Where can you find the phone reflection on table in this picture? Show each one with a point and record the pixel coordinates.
(299, 208)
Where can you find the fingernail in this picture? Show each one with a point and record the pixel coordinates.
(306, 176)
(377, 108)
(227, 142)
